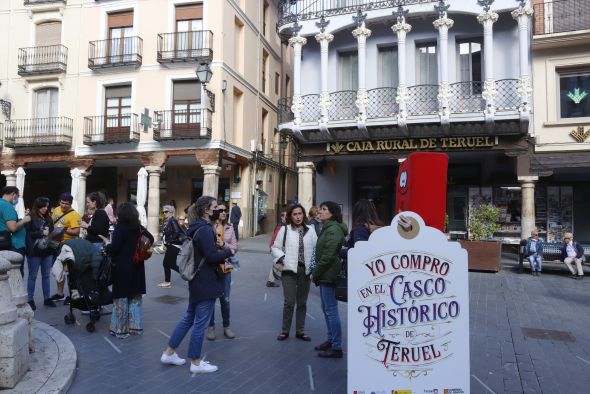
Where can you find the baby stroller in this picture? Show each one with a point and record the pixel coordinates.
(87, 279)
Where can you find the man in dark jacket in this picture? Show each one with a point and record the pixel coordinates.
(235, 216)
(533, 251)
(572, 252)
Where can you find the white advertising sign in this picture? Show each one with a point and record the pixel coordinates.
(408, 312)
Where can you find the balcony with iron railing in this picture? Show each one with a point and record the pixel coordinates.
(181, 125)
(466, 99)
(300, 10)
(39, 133)
(42, 60)
(185, 46)
(115, 52)
(107, 129)
(34, 2)
(561, 16)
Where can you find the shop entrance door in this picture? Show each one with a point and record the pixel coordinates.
(376, 184)
(457, 209)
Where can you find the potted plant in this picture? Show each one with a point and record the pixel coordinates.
(483, 252)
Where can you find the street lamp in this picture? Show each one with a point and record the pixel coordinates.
(204, 73)
(283, 143)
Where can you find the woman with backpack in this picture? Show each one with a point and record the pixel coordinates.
(98, 223)
(38, 252)
(174, 236)
(224, 231)
(204, 288)
(293, 247)
(126, 248)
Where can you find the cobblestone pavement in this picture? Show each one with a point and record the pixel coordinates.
(503, 359)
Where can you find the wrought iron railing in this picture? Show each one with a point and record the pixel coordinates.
(561, 16)
(466, 97)
(507, 97)
(185, 46)
(33, 2)
(42, 60)
(178, 125)
(38, 132)
(423, 100)
(115, 52)
(311, 108)
(285, 113)
(292, 10)
(106, 129)
(382, 103)
(343, 105)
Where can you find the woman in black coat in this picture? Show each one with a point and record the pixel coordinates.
(128, 276)
(98, 225)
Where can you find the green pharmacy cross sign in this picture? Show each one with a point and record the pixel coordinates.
(577, 96)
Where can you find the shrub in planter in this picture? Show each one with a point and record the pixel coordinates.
(483, 222)
(483, 254)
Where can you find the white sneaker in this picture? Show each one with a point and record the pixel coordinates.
(172, 360)
(203, 367)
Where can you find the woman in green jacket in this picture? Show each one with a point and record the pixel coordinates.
(326, 271)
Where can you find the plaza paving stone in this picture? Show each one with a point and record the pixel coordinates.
(503, 359)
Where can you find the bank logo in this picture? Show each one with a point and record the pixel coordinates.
(580, 135)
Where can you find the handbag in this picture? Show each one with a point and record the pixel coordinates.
(342, 282)
(277, 267)
(5, 240)
(143, 248)
(105, 270)
(41, 245)
(312, 262)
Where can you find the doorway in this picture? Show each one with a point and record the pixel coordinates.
(378, 185)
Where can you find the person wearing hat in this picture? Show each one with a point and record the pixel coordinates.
(572, 252)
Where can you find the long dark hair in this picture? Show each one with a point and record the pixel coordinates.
(127, 213)
(39, 203)
(290, 210)
(334, 209)
(203, 203)
(365, 213)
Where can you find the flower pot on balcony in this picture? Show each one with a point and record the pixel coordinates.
(482, 255)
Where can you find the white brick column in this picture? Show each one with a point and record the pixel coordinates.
(443, 24)
(305, 171)
(324, 39)
(297, 43)
(361, 34)
(523, 15)
(211, 180)
(487, 19)
(153, 203)
(401, 29)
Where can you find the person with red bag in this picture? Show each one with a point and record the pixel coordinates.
(128, 242)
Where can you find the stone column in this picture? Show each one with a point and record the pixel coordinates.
(10, 177)
(18, 290)
(305, 171)
(324, 39)
(14, 362)
(361, 33)
(487, 19)
(443, 24)
(78, 189)
(297, 43)
(527, 211)
(523, 15)
(153, 211)
(211, 181)
(401, 29)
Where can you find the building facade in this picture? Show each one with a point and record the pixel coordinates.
(561, 74)
(374, 82)
(103, 96)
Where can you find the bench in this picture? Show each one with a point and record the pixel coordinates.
(551, 252)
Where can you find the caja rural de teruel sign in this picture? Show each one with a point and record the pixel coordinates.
(408, 312)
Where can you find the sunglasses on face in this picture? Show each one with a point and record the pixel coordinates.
(166, 211)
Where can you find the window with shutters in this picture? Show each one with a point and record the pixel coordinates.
(189, 29)
(186, 117)
(120, 41)
(348, 70)
(47, 34)
(388, 73)
(117, 113)
(264, 70)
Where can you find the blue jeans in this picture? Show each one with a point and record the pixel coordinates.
(330, 309)
(536, 258)
(34, 263)
(197, 314)
(224, 301)
(98, 245)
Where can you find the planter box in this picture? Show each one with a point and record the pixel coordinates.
(483, 255)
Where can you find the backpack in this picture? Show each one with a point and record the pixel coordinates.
(143, 248)
(186, 259)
